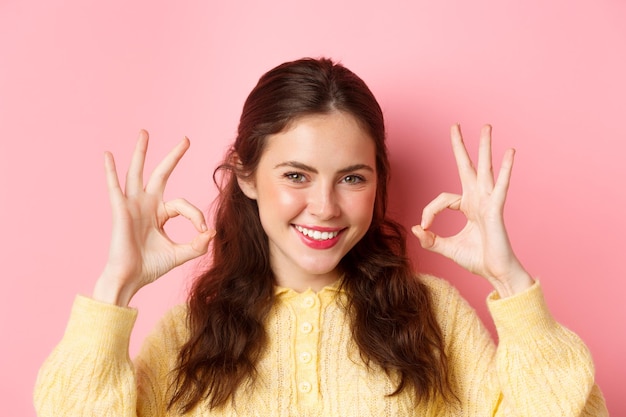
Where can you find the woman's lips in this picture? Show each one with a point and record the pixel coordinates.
(318, 237)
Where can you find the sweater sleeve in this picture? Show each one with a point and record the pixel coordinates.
(543, 368)
(538, 368)
(156, 360)
(89, 373)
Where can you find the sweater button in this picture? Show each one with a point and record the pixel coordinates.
(308, 302)
(306, 327)
(305, 387)
(305, 357)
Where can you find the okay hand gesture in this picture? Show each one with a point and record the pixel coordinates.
(482, 246)
(140, 250)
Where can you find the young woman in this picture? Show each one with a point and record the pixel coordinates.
(310, 306)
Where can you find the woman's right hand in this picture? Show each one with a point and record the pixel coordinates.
(140, 250)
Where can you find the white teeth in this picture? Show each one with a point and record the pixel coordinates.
(316, 234)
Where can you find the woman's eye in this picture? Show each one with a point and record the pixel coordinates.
(353, 179)
(295, 177)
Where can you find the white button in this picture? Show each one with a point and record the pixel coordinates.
(306, 327)
(305, 357)
(305, 387)
(309, 301)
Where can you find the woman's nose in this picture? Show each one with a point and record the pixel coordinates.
(323, 202)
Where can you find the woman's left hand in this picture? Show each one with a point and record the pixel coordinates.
(482, 246)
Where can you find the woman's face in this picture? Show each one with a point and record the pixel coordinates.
(315, 187)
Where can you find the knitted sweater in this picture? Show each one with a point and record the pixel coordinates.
(311, 366)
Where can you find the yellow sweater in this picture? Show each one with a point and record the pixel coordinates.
(312, 367)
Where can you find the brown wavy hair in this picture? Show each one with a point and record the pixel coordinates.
(392, 320)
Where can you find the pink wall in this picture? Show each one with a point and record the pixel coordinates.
(78, 77)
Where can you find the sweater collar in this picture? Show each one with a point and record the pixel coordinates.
(330, 289)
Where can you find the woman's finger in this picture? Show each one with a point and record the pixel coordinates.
(134, 176)
(184, 208)
(467, 173)
(426, 237)
(444, 246)
(113, 183)
(504, 177)
(160, 175)
(197, 247)
(485, 166)
(442, 202)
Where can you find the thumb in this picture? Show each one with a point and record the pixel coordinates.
(427, 239)
(198, 246)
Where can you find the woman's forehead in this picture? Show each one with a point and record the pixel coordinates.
(336, 135)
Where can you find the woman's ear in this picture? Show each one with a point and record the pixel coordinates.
(248, 187)
(246, 183)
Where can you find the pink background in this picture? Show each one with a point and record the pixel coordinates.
(78, 78)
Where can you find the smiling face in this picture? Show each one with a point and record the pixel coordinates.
(315, 186)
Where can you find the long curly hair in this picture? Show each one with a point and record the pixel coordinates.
(391, 316)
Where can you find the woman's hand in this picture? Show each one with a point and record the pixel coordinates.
(482, 246)
(140, 250)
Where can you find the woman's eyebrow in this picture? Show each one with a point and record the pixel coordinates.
(297, 165)
(305, 167)
(356, 167)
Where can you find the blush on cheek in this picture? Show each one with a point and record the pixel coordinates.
(287, 203)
